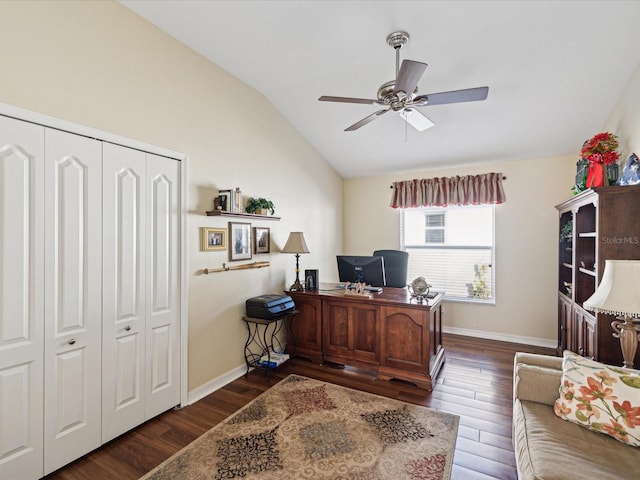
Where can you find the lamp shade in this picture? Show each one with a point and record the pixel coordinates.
(295, 244)
(619, 290)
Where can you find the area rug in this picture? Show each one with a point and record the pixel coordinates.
(303, 429)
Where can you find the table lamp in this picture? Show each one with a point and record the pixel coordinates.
(619, 294)
(296, 244)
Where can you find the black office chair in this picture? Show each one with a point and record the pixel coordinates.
(395, 267)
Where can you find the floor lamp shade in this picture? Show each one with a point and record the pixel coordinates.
(296, 244)
(619, 294)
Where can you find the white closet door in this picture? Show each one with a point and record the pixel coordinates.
(73, 297)
(123, 312)
(21, 298)
(163, 287)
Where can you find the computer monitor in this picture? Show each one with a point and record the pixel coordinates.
(369, 270)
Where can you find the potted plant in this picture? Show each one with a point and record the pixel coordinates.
(260, 206)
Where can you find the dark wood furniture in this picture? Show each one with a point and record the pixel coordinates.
(598, 224)
(388, 334)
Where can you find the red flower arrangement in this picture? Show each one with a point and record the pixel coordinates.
(601, 149)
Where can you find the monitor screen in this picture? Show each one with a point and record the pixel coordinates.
(369, 270)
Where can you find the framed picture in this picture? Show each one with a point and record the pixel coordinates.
(261, 240)
(239, 241)
(212, 239)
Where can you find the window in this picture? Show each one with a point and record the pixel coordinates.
(434, 227)
(453, 249)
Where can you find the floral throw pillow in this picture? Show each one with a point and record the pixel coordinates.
(603, 398)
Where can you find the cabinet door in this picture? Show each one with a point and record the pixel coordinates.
(365, 328)
(22, 243)
(163, 288)
(337, 335)
(584, 324)
(405, 339)
(123, 311)
(565, 327)
(73, 297)
(307, 328)
(351, 332)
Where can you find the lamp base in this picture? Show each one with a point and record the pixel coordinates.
(297, 286)
(628, 334)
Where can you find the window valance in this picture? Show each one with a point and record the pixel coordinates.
(443, 191)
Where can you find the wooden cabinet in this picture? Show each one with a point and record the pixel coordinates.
(386, 334)
(594, 226)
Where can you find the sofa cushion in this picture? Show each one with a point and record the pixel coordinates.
(538, 384)
(601, 397)
(549, 449)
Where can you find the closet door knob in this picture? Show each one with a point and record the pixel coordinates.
(72, 341)
(127, 328)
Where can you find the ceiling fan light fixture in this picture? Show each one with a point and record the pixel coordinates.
(400, 95)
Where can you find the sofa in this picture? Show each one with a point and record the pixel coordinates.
(550, 448)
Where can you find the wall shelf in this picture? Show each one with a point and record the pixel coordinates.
(222, 213)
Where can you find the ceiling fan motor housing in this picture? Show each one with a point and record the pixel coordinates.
(398, 39)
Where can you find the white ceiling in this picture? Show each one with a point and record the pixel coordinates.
(554, 69)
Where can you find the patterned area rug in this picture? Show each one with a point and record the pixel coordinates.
(306, 429)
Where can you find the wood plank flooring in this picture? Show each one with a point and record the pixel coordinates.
(474, 383)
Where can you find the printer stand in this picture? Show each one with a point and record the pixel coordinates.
(264, 338)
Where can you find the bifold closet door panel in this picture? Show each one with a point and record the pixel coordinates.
(123, 310)
(163, 286)
(73, 297)
(22, 242)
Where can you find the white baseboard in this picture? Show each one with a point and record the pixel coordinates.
(217, 383)
(228, 377)
(503, 337)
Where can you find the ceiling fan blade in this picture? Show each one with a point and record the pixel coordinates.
(416, 119)
(366, 101)
(455, 96)
(366, 120)
(409, 76)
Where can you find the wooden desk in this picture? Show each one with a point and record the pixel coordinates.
(388, 334)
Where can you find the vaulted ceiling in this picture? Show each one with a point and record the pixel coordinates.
(554, 69)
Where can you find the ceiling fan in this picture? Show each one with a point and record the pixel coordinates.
(400, 95)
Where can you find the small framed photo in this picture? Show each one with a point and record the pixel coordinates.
(225, 198)
(239, 241)
(212, 239)
(261, 240)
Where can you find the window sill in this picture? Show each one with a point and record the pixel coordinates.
(475, 301)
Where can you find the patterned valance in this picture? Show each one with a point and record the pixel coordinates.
(440, 192)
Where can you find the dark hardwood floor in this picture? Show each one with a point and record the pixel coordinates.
(474, 383)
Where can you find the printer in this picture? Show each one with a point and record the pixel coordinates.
(269, 307)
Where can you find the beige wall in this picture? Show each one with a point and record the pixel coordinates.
(526, 246)
(526, 231)
(624, 119)
(100, 65)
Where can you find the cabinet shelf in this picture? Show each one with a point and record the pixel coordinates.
(222, 213)
(567, 265)
(587, 272)
(587, 235)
